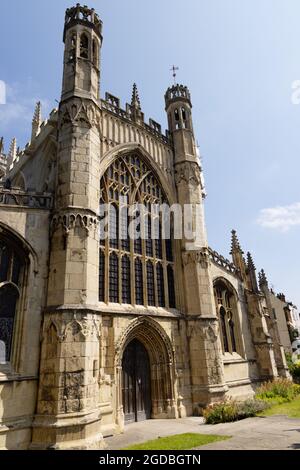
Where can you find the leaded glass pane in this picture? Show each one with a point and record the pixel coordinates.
(139, 294)
(113, 278)
(150, 284)
(160, 285)
(126, 284)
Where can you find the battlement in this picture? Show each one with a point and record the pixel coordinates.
(84, 16)
(112, 104)
(177, 93)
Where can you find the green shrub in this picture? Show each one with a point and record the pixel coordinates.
(294, 367)
(231, 410)
(295, 371)
(222, 412)
(279, 391)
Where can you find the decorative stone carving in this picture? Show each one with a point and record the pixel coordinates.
(77, 112)
(150, 329)
(70, 221)
(76, 323)
(188, 172)
(207, 330)
(196, 256)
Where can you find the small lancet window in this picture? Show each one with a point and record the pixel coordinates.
(176, 113)
(95, 53)
(183, 111)
(84, 46)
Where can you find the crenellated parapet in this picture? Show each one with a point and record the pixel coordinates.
(177, 93)
(130, 114)
(82, 15)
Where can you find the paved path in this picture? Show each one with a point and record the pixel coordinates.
(274, 432)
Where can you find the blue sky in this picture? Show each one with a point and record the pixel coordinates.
(239, 59)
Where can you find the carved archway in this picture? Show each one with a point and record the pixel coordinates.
(161, 357)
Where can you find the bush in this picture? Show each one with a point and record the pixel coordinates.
(278, 391)
(295, 371)
(231, 410)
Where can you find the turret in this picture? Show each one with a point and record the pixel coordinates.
(188, 172)
(83, 40)
(179, 111)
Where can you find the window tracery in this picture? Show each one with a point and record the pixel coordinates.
(11, 270)
(227, 313)
(146, 263)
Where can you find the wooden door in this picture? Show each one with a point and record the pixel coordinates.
(136, 386)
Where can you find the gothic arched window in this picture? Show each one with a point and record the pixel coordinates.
(11, 274)
(222, 314)
(84, 46)
(131, 193)
(227, 312)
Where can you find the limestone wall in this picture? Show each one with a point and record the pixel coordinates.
(240, 369)
(18, 381)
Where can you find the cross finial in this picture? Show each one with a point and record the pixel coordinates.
(174, 69)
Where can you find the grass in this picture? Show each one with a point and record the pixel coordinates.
(290, 409)
(178, 442)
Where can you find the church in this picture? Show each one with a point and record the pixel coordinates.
(96, 331)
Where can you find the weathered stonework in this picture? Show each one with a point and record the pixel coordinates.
(63, 385)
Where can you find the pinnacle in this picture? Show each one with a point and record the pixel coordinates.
(37, 117)
(135, 100)
(250, 263)
(235, 244)
(263, 281)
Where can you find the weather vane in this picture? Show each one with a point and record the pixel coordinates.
(173, 69)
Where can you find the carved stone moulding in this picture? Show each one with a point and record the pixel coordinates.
(188, 172)
(79, 112)
(207, 329)
(68, 221)
(89, 325)
(195, 257)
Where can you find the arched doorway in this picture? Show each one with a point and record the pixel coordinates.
(136, 383)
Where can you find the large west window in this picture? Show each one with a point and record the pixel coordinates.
(11, 275)
(138, 269)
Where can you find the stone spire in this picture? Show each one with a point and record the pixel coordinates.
(36, 121)
(135, 100)
(12, 154)
(251, 273)
(263, 281)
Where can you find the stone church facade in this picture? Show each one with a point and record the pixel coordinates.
(97, 333)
